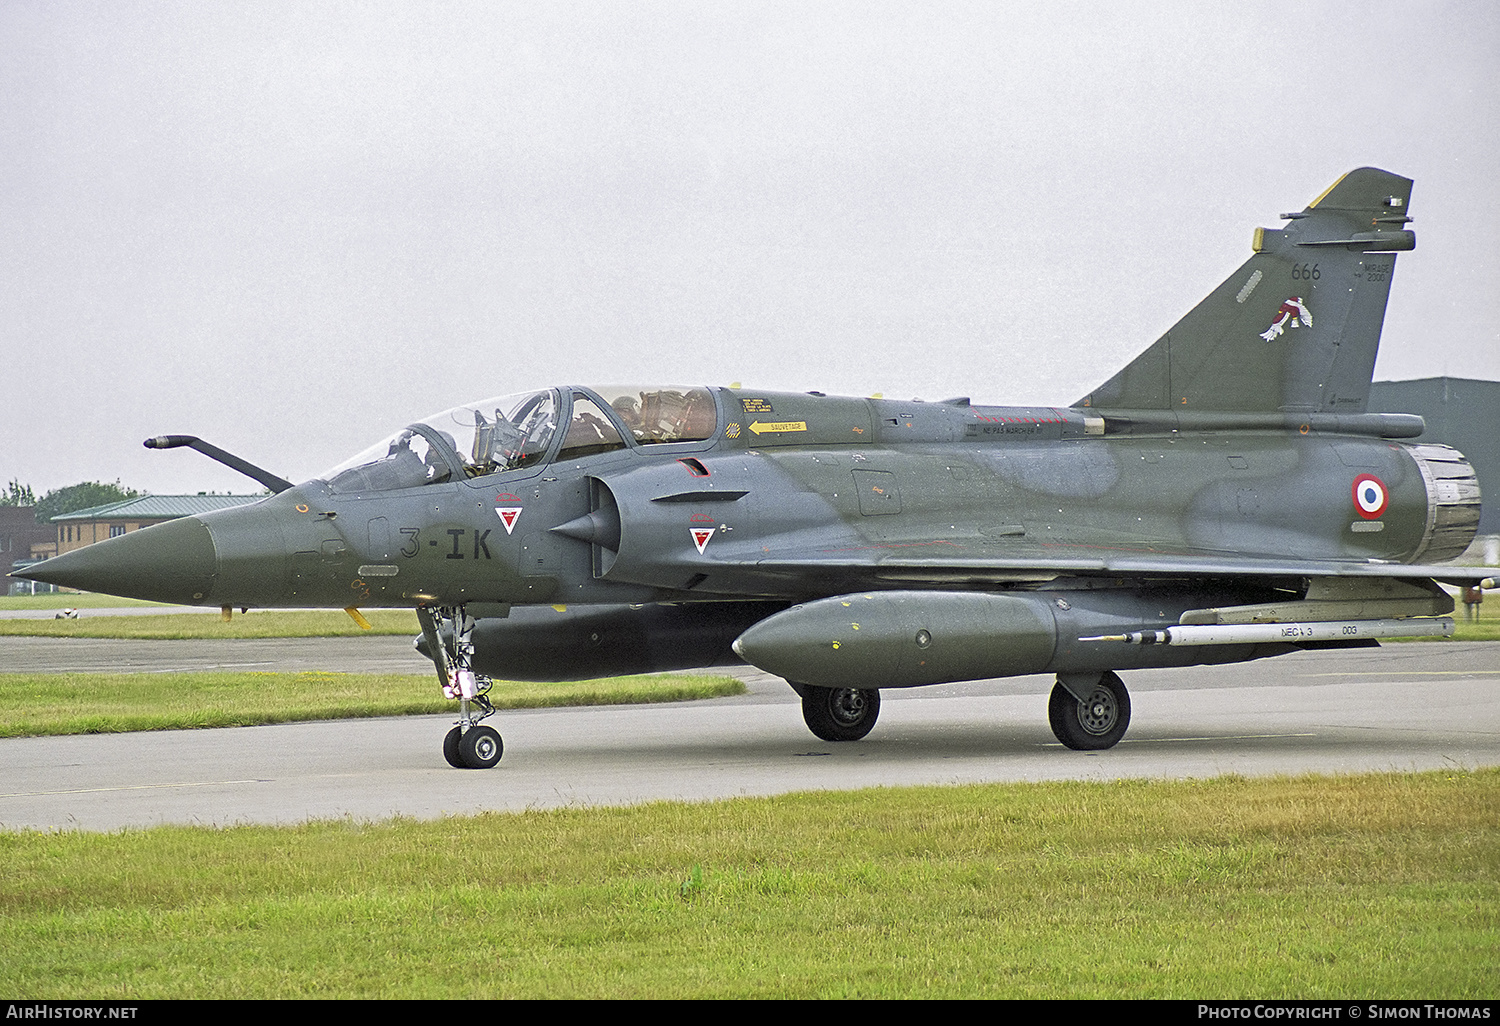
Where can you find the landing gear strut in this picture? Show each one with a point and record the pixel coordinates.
(1089, 716)
(839, 714)
(467, 745)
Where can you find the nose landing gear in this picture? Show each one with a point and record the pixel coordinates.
(468, 745)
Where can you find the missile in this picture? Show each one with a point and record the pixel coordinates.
(1292, 633)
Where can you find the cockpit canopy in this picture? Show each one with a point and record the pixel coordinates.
(514, 432)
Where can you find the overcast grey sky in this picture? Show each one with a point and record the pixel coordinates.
(291, 227)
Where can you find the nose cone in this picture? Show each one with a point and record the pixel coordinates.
(172, 562)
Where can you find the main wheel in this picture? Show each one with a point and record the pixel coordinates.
(840, 714)
(1093, 725)
(480, 748)
(450, 748)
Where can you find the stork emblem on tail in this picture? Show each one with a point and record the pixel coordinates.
(1293, 314)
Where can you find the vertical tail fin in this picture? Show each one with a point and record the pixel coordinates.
(1297, 327)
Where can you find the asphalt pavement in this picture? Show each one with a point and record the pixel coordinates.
(1410, 706)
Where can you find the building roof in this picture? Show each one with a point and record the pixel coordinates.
(1461, 412)
(165, 506)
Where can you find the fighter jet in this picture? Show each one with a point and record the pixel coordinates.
(1224, 497)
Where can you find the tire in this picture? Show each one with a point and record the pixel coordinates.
(840, 714)
(450, 749)
(480, 748)
(1094, 725)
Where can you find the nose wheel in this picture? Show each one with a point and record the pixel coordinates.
(478, 748)
(450, 748)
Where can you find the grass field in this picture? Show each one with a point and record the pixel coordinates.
(64, 600)
(33, 704)
(1358, 888)
(258, 623)
(1485, 627)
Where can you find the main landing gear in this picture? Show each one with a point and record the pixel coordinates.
(1089, 712)
(449, 633)
(839, 714)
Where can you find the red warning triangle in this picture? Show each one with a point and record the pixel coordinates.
(508, 516)
(701, 536)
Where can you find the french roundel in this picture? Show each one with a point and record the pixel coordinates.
(1370, 496)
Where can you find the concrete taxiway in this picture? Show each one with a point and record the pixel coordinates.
(1401, 707)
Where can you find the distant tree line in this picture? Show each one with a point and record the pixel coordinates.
(65, 500)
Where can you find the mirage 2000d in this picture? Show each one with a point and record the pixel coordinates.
(1223, 497)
